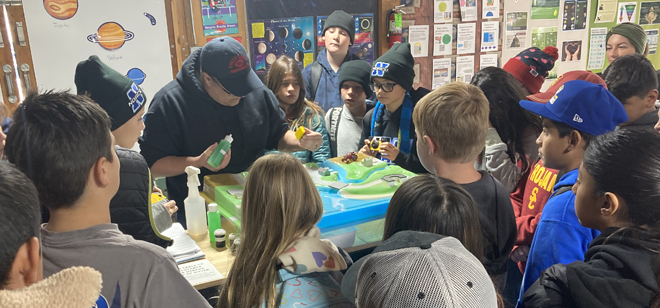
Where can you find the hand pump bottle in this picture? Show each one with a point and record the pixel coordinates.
(195, 206)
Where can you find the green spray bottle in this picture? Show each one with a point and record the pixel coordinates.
(220, 151)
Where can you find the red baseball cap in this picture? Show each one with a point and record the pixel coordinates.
(561, 80)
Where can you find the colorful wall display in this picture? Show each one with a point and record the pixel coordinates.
(364, 43)
(219, 17)
(271, 38)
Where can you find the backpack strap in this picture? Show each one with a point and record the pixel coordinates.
(314, 79)
(335, 118)
(561, 190)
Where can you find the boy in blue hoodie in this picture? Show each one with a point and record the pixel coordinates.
(579, 111)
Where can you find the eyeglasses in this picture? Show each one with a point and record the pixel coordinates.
(223, 88)
(386, 87)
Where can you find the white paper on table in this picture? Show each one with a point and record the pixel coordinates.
(199, 272)
(466, 38)
(441, 72)
(488, 60)
(468, 10)
(419, 40)
(443, 11)
(490, 9)
(464, 68)
(490, 36)
(442, 39)
(597, 46)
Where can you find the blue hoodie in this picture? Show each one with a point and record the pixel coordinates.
(328, 94)
(559, 237)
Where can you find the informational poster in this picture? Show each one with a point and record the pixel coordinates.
(464, 68)
(606, 11)
(443, 11)
(272, 38)
(419, 40)
(490, 9)
(544, 36)
(490, 31)
(487, 60)
(118, 32)
(545, 9)
(219, 17)
(442, 40)
(626, 12)
(516, 30)
(468, 10)
(648, 13)
(575, 15)
(441, 72)
(571, 51)
(597, 44)
(466, 38)
(363, 45)
(652, 40)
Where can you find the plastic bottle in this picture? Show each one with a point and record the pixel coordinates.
(195, 206)
(214, 222)
(220, 151)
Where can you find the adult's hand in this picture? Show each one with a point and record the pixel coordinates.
(311, 141)
(202, 159)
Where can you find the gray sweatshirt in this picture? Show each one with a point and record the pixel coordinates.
(135, 273)
(349, 131)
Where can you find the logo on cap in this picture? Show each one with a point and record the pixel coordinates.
(379, 69)
(554, 98)
(534, 72)
(135, 98)
(238, 63)
(577, 118)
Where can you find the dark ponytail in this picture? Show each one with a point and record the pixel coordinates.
(627, 163)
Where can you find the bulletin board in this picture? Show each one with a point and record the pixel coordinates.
(129, 36)
(643, 13)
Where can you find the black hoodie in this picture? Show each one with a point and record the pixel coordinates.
(183, 120)
(618, 272)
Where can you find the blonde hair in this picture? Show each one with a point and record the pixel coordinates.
(280, 203)
(455, 116)
(296, 116)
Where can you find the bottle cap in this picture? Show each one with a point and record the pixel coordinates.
(233, 236)
(229, 138)
(219, 233)
(213, 207)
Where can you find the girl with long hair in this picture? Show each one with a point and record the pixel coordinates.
(281, 260)
(285, 79)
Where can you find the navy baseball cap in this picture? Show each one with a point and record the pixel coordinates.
(225, 59)
(582, 105)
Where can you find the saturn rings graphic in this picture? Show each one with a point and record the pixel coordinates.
(61, 9)
(111, 36)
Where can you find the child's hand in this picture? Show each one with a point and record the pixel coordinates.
(367, 150)
(389, 150)
(171, 207)
(520, 254)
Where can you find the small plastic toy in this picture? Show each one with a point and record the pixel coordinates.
(337, 185)
(300, 132)
(368, 162)
(349, 158)
(324, 171)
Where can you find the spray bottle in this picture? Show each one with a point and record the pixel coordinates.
(220, 151)
(195, 206)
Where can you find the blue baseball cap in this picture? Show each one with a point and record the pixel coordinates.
(225, 59)
(582, 105)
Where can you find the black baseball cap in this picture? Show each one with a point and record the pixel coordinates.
(225, 59)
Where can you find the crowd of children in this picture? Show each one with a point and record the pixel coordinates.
(553, 195)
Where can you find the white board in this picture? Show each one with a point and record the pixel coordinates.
(59, 40)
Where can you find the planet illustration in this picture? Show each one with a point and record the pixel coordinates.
(111, 36)
(137, 75)
(307, 44)
(262, 48)
(283, 32)
(299, 56)
(152, 19)
(442, 7)
(270, 58)
(297, 33)
(270, 36)
(61, 9)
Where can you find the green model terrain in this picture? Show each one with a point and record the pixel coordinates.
(365, 188)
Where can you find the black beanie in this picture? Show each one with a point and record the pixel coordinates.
(117, 94)
(342, 20)
(396, 65)
(358, 71)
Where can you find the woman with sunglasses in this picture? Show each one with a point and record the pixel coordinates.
(392, 79)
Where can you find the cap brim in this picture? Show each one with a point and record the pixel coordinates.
(541, 97)
(349, 282)
(539, 109)
(242, 86)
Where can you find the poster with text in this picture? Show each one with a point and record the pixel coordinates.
(652, 40)
(443, 11)
(419, 40)
(626, 12)
(490, 9)
(606, 11)
(648, 13)
(490, 32)
(488, 60)
(575, 15)
(597, 43)
(468, 10)
(442, 40)
(516, 30)
(466, 38)
(129, 36)
(219, 17)
(363, 45)
(272, 38)
(441, 72)
(464, 68)
(571, 51)
(544, 36)
(545, 9)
